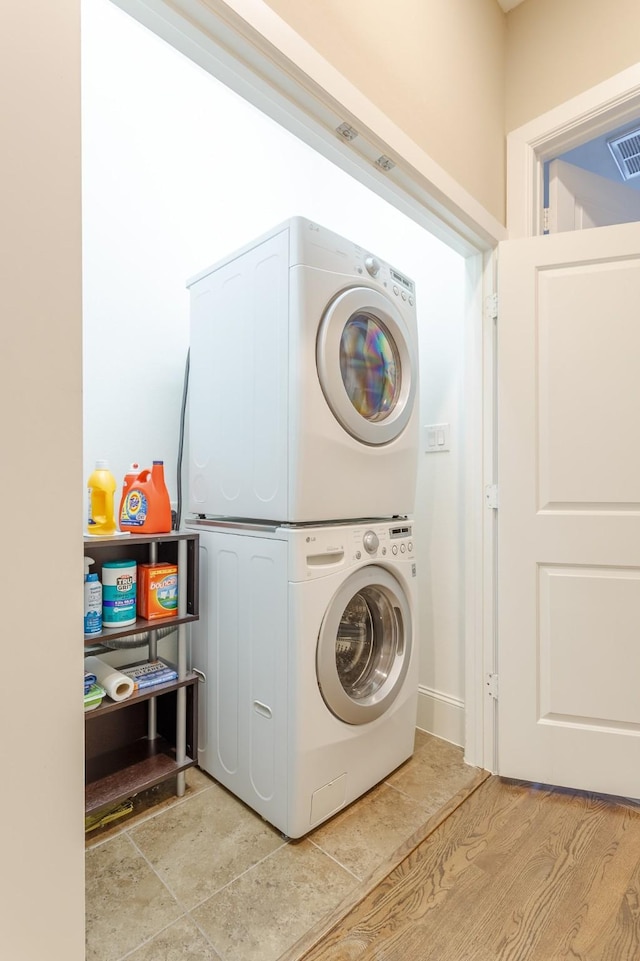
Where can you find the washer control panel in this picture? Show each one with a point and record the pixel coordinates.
(387, 540)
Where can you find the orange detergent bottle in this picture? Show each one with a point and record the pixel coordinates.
(145, 507)
(129, 478)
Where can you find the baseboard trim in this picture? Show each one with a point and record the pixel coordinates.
(441, 714)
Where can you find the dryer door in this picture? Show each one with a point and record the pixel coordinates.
(366, 365)
(364, 646)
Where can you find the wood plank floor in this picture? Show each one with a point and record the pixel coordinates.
(516, 873)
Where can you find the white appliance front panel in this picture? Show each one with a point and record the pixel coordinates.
(333, 475)
(322, 747)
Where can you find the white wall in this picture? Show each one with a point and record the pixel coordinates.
(177, 172)
(440, 506)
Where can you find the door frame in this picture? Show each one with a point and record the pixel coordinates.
(601, 108)
(247, 46)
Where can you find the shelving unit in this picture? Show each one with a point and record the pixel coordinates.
(134, 744)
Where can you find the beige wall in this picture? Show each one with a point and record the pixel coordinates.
(556, 50)
(41, 802)
(434, 66)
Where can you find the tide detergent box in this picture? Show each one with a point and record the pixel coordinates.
(157, 590)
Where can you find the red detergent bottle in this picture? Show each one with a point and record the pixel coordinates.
(145, 507)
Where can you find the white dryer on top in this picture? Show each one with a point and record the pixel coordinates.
(303, 382)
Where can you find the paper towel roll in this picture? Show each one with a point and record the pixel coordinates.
(118, 686)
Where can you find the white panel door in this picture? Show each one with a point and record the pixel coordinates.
(579, 199)
(569, 514)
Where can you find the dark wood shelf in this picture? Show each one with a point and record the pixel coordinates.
(120, 760)
(137, 547)
(121, 757)
(141, 626)
(121, 774)
(127, 539)
(147, 692)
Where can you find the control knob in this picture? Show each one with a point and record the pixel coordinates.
(372, 265)
(371, 542)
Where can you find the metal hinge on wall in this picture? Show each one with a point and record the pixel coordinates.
(491, 306)
(492, 686)
(545, 220)
(491, 496)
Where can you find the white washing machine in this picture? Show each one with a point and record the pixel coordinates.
(303, 401)
(307, 640)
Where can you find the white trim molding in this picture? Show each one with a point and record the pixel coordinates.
(441, 715)
(609, 104)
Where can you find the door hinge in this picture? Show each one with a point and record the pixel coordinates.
(492, 686)
(491, 496)
(545, 220)
(491, 305)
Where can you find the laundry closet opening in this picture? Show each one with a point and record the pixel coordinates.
(179, 171)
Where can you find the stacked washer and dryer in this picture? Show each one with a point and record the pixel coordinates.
(303, 445)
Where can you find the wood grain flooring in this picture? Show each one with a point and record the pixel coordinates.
(516, 873)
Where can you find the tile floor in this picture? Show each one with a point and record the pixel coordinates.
(204, 877)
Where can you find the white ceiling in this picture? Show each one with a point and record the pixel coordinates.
(509, 4)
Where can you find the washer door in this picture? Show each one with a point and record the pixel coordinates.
(364, 646)
(365, 364)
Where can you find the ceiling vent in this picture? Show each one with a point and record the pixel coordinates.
(626, 153)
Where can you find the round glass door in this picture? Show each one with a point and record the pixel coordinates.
(366, 365)
(370, 367)
(364, 646)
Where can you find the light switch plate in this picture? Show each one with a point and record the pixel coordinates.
(437, 437)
